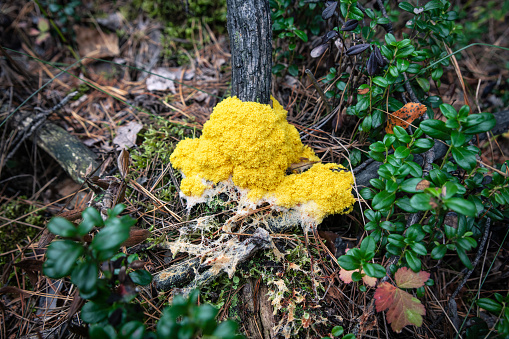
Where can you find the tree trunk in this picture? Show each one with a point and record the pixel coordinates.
(250, 34)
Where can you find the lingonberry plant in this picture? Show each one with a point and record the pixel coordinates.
(433, 196)
(109, 279)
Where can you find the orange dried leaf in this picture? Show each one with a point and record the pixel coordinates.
(404, 116)
(363, 91)
(403, 308)
(406, 278)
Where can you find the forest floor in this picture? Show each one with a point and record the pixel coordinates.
(120, 103)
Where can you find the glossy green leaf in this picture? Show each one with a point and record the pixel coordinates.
(462, 206)
(436, 129)
(464, 158)
(489, 305)
(374, 270)
(421, 202)
(383, 200)
(93, 312)
(413, 261)
(62, 227)
(141, 277)
(61, 258)
(85, 276)
(439, 252)
(349, 262)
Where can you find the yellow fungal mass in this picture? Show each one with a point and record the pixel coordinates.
(255, 145)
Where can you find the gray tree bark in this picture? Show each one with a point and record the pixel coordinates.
(250, 32)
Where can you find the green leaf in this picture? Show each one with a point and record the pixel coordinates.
(404, 204)
(457, 138)
(489, 305)
(303, 36)
(439, 252)
(424, 144)
(349, 262)
(141, 277)
(293, 70)
(464, 258)
(402, 65)
(380, 81)
(462, 206)
(434, 4)
(374, 270)
(410, 185)
(91, 218)
(85, 277)
(418, 248)
(113, 235)
(424, 83)
(421, 202)
(436, 129)
(116, 210)
(448, 111)
(368, 245)
(401, 134)
(396, 240)
(337, 331)
(464, 158)
(478, 123)
(390, 39)
(402, 152)
(132, 330)
(383, 200)
(61, 258)
(93, 312)
(62, 227)
(406, 7)
(413, 261)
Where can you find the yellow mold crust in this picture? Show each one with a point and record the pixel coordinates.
(254, 144)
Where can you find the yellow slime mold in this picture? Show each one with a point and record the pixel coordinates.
(254, 145)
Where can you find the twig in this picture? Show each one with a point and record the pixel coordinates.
(319, 90)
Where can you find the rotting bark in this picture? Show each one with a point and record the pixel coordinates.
(250, 34)
(74, 157)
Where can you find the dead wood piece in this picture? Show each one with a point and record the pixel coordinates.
(256, 314)
(198, 272)
(74, 157)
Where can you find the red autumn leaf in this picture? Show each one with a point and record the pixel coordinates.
(406, 278)
(403, 308)
(404, 116)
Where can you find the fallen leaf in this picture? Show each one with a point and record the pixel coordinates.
(403, 308)
(404, 116)
(126, 135)
(346, 276)
(363, 91)
(406, 278)
(163, 78)
(95, 44)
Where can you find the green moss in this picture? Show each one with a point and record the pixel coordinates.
(15, 233)
(182, 21)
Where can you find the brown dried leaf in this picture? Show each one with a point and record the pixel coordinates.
(95, 44)
(136, 236)
(123, 162)
(404, 116)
